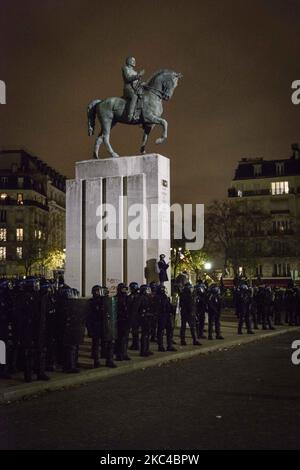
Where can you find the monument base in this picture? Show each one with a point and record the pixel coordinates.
(105, 251)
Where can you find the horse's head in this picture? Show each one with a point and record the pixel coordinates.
(170, 83)
(165, 81)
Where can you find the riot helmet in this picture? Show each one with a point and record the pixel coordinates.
(122, 288)
(145, 289)
(162, 289)
(134, 287)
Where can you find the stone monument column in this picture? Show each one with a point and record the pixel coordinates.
(126, 184)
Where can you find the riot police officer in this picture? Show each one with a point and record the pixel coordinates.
(33, 331)
(165, 319)
(17, 361)
(123, 323)
(145, 318)
(260, 302)
(154, 312)
(243, 305)
(267, 306)
(71, 314)
(278, 305)
(297, 306)
(214, 307)
(200, 308)
(134, 300)
(290, 304)
(187, 312)
(6, 325)
(49, 302)
(99, 326)
(254, 308)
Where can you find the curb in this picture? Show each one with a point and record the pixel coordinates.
(24, 390)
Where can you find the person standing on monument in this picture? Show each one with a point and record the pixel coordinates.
(162, 268)
(131, 89)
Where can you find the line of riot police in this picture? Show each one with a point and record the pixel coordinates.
(144, 311)
(42, 325)
(194, 303)
(266, 306)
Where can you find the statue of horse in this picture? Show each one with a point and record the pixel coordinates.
(110, 111)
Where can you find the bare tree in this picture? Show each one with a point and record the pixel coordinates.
(230, 231)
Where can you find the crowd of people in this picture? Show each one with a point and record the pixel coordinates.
(43, 323)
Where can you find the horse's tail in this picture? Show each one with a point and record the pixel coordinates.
(91, 114)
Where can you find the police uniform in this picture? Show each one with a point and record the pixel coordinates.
(165, 320)
(133, 301)
(243, 307)
(145, 319)
(214, 307)
(123, 324)
(187, 312)
(200, 308)
(6, 327)
(99, 325)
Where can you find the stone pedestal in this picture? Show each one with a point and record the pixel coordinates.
(127, 184)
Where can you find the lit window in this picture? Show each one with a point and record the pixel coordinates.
(3, 233)
(2, 253)
(280, 187)
(240, 193)
(19, 234)
(20, 199)
(20, 182)
(39, 234)
(19, 252)
(3, 196)
(35, 234)
(282, 270)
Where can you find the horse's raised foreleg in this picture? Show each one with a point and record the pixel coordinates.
(147, 130)
(163, 123)
(98, 143)
(107, 125)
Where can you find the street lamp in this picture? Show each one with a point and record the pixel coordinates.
(207, 266)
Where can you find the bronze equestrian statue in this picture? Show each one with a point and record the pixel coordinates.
(141, 104)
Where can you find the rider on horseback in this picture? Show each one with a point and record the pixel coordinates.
(132, 86)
